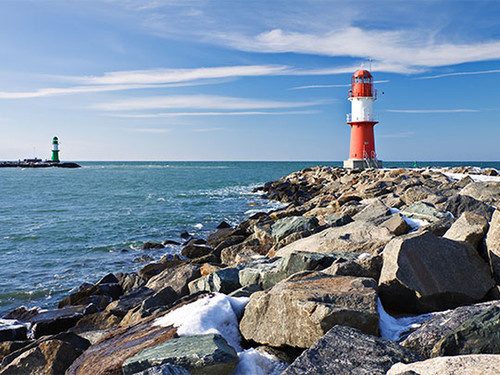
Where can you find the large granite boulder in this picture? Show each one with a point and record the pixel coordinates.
(423, 211)
(54, 321)
(422, 273)
(493, 245)
(344, 350)
(200, 354)
(376, 212)
(477, 364)
(288, 225)
(299, 310)
(130, 281)
(442, 324)
(396, 224)
(356, 237)
(470, 228)
(487, 192)
(478, 335)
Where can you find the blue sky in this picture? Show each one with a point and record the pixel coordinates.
(246, 80)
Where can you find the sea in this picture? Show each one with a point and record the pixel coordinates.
(61, 227)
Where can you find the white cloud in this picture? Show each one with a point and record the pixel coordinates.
(330, 86)
(460, 74)
(401, 51)
(199, 102)
(196, 114)
(431, 110)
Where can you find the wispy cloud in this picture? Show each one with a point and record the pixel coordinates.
(330, 86)
(460, 74)
(459, 110)
(207, 130)
(200, 114)
(401, 51)
(199, 102)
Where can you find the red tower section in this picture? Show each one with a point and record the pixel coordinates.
(362, 95)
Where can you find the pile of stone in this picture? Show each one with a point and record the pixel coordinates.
(306, 288)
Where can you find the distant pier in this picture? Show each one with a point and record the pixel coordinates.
(37, 163)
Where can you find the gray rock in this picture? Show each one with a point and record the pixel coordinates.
(196, 251)
(356, 237)
(337, 220)
(376, 212)
(129, 300)
(487, 192)
(416, 194)
(470, 228)
(224, 281)
(493, 245)
(246, 291)
(478, 335)
(360, 266)
(288, 225)
(344, 350)
(176, 277)
(441, 325)
(130, 281)
(422, 273)
(200, 354)
(458, 204)
(397, 225)
(55, 321)
(268, 272)
(14, 331)
(8, 347)
(423, 211)
(478, 364)
(299, 310)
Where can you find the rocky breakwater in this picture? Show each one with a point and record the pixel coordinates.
(304, 289)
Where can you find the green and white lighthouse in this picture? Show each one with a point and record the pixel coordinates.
(55, 150)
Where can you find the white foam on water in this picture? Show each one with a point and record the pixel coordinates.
(254, 362)
(198, 226)
(394, 328)
(215, 313)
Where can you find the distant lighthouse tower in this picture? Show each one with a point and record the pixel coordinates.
(362, 152)
(55, 150)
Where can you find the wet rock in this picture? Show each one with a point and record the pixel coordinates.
(299, 310)
(223, 225)
(356, 237)
(85, 293)
(442, 324)
(130, 281)
(184, 235)
(396, 224)
(152, 245)
(97, 321)
(493, 245)
(12, 330)
(55, 321)
(170, 242)
(484, 364)
(224, 281)
(22, 313)
(288, 225)
(222, 234)
(108, 279)
(470, 228)
(199, 354)
(196, 251)
(344, 350)
(8, 347)
(478, 335)
(143, 259)
(422, 273)
(129, 300)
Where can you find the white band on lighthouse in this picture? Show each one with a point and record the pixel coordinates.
(362, 108)
(55, 147)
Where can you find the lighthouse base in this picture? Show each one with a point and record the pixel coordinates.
(362, 163)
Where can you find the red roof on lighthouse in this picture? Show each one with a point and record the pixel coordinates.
(362, 73)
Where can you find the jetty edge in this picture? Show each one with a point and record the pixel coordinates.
(375, 271)
(37, 163)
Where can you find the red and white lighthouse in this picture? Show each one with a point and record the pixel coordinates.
(362, 95)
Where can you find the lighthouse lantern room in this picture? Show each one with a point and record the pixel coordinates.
(362, 95)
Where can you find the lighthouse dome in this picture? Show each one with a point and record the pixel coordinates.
(362, 73)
